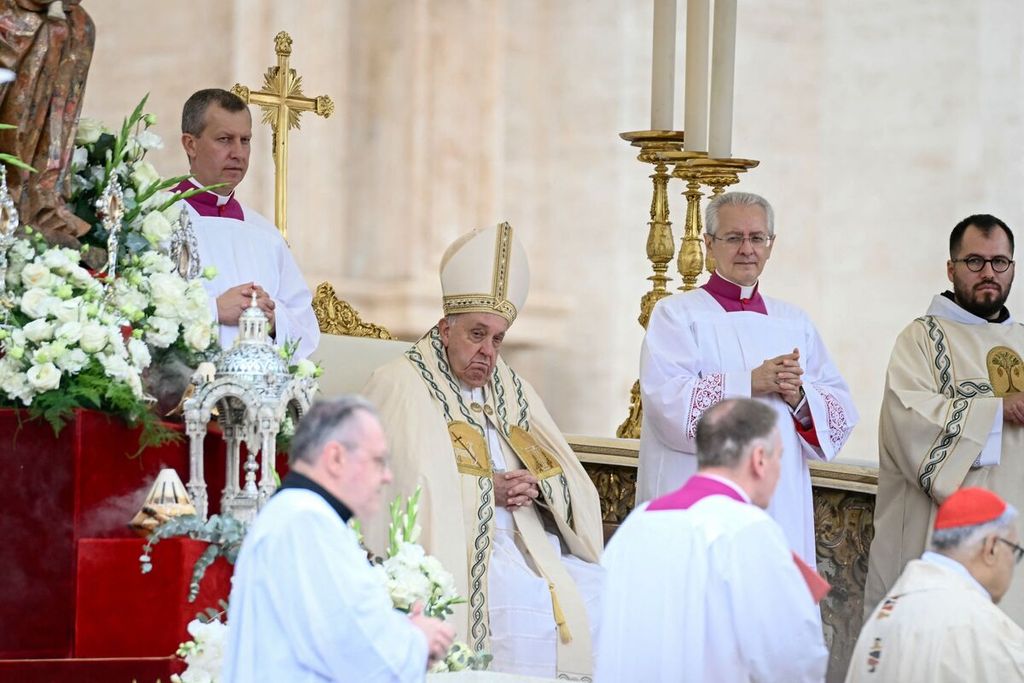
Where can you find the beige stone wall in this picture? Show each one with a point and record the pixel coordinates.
(878, 126)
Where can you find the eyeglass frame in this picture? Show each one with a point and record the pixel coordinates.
(1018, 551)
(984, 261)
(769, 240)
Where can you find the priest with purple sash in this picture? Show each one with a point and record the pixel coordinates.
(726, 340)
(701, 584)
(248, 252)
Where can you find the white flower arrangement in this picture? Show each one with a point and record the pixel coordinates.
(204, 654)
(72, 340)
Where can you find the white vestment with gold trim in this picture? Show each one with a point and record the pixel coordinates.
(941, 428)
(530, 575)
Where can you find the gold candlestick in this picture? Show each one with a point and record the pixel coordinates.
(691, 255)
(660, 248)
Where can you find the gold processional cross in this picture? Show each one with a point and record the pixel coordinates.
(282, 102)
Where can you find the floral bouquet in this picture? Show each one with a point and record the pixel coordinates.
(204, 654)
(411, 576)
(71, 338)
(151, 212)
(70, 341)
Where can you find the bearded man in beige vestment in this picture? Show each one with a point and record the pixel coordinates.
(506, 505)
(953, 411)
(938, 624)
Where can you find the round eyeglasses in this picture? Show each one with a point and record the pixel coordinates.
(976, 264)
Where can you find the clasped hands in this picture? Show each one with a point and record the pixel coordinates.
(515, 489)
(779, 375)
(1013, 408)
(439, 635)
(232, 303)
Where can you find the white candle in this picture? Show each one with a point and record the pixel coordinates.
(663, 64)
(723, 67)
(695, 117)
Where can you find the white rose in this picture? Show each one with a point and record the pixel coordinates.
(36, 275)
(38, 330)
(89, 131)
(36, 302)
(167, 291)
(155, 262)
(58, 259)
(43, 377)
(149, 140)
(94, 338)
(135, 384)
(79, 159)
(17, 387)
(70, 332)
(162, 332)
(173, 214)
(115, 367)
(73, 361)
(198, 336)
(144, 175)
(139, 353)
(305, 368)
(80, 276)
(67, 311)
(156, 228)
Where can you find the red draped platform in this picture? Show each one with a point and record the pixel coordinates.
(72, 593)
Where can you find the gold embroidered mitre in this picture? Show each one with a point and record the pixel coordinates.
(485, 271)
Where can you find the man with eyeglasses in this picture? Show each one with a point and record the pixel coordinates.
(306, 605)
(726, 340)
(953, 411)
(939, 622)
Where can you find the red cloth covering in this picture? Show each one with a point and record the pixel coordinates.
(119, 670)
(59, 490)
(122, 612)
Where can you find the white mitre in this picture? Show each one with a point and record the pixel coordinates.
(485, 271)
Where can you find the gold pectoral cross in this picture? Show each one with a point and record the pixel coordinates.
(282, 102)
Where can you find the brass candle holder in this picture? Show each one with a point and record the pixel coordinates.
(664, 148)
(660, 247)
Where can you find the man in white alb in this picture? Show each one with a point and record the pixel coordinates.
(246, 249)
(306, 605)
(701, 585)
(726, 340)
(506, 505)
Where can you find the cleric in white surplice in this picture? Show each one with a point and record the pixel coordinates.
(246, 249)
(701, 584)
(726, 340)
(305, 603)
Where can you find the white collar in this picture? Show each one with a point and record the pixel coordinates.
(941, 307)
(728, 482)
(222, 199)
(956, 567)
(745, 291)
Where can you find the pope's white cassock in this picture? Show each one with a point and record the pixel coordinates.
(941, 427)
(306, 606)
(937, 625)
(530, 575)
(700, 348)
(701, 586)
(245, 247)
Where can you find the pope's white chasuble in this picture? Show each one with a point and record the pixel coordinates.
(529, 575)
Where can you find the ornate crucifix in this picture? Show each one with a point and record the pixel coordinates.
(282, 102)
